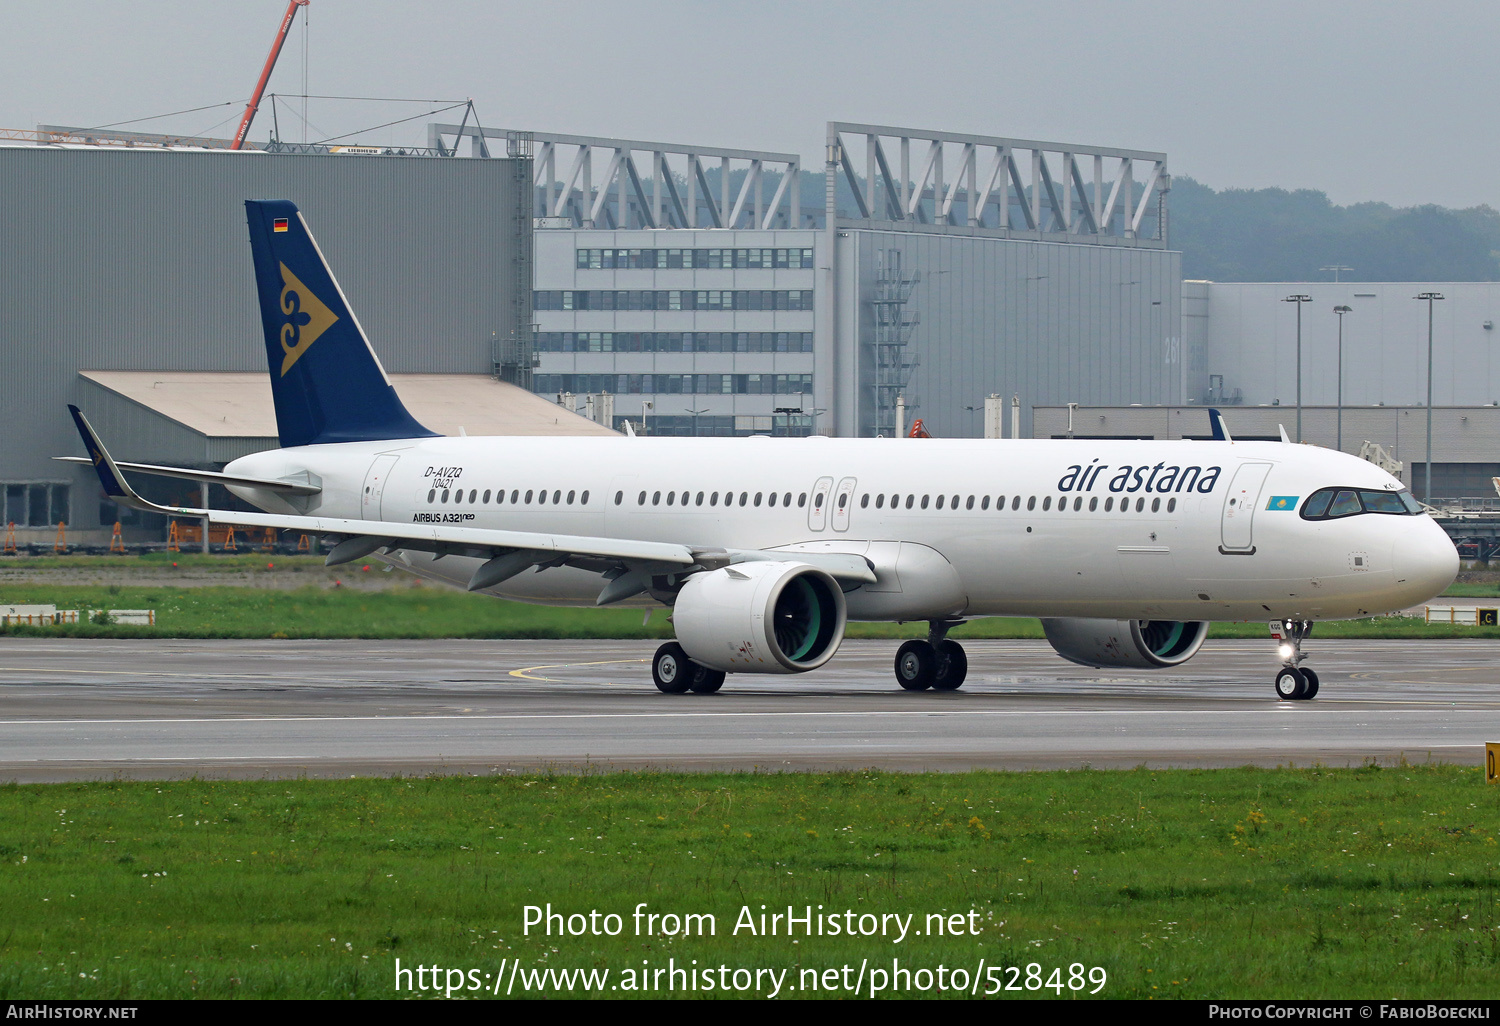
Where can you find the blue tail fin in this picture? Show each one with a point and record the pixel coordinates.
(326, 380)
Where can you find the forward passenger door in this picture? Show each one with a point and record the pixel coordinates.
(1238, 521)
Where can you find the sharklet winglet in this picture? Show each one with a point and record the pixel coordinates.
(110, 478)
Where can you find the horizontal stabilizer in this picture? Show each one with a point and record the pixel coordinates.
(207, 476)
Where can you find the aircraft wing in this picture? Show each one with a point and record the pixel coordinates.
(628, 565)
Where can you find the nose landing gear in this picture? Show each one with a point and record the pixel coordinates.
(1293, 682)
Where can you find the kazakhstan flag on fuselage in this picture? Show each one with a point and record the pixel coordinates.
(1283, 502)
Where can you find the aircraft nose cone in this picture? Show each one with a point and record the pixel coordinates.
(1426, 561)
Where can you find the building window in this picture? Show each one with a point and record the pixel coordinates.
(673, 299)
(37, 505)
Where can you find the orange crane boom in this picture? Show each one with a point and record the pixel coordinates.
(265, 74)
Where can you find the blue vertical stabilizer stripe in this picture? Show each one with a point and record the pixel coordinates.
(327, 384)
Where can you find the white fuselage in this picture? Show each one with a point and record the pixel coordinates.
(1176, 530)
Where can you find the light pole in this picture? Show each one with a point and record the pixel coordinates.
(1299, 299)
(1427, 487)
(1341, 310)
(695, 420)
(788, 412)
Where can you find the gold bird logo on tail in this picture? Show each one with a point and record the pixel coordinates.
(306, 319)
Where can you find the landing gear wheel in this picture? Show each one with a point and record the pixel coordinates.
(916, 665)
(1291, 684)
(1312, 683)
(952, 666)
(671, 669)
(705, 681)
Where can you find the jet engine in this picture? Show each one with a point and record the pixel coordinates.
(1139, 644)
(760, 617)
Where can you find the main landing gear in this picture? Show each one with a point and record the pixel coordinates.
(1293, 682)
(675, 674)
(937, 663)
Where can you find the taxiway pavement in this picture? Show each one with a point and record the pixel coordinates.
(87, 709)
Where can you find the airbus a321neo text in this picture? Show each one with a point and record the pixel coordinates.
(764, 548)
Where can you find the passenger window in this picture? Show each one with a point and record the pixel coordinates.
(1140, 504)
(924, 501)
(515, 495)
(909, 500)
(556, 496)
(1171, 505)
(641, 499)
(758, 497)
(541, 497)
(770, 498)
(1077, 503)
(1015, 503)
(571, 496)
(473, 494)
(1030, 503)
(1344, 504)
(786, 500)
(486, 499)
(801, 499)
(953, 503)
(1156, 505)
(698, 500)
(713, 499)
(656, 498)
(744, 498)
(1046, 503)
(670, 497)
(984, 503)
(880, 501)
(1109, 504)
(431, 495)
(817, 500)
(864, 501)
(583, 500)
(939, 502)
(1093, 503)
(500, 497)
(970, 503)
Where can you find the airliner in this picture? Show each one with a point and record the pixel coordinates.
(765, 548)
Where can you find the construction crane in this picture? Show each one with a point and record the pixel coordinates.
(265, 74)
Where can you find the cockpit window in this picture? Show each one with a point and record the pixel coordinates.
(1345, 503)
(1332, 503)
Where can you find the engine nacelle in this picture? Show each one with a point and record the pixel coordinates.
(760, 617)
(1139, 644)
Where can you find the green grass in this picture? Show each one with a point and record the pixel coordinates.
(1207, 883)
(421, 612)
(155, 562)
(1461, 590)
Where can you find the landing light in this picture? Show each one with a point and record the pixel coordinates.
(1285, 651)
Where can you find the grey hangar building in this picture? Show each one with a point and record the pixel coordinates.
(532, 283)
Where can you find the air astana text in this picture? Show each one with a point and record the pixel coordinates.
(1160, 478)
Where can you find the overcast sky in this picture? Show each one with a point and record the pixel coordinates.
(1370, 100)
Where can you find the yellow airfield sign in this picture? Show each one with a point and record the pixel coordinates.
(1492, 762)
